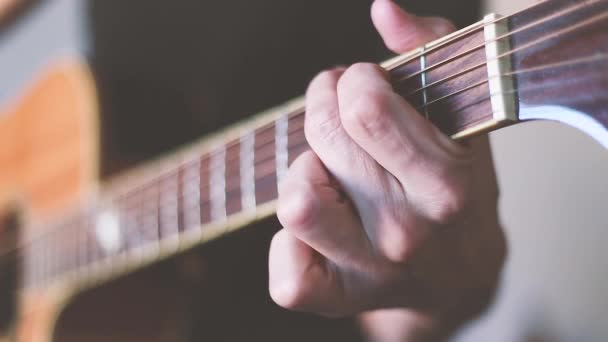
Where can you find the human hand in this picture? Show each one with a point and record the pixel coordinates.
(386, 211)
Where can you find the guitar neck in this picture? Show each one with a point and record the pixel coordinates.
(465, 84)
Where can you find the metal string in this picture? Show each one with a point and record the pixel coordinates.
(301, 111)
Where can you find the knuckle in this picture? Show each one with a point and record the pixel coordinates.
(367, 114)
(326, 126)
(397, 245)
(297, 206)
(358, 69)
(410, 156)
(359, 74)
(290, 294)
(450, 201)
(397, 249)
(330, 75)
(288, 289)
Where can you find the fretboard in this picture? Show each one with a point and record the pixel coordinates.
(462, 83)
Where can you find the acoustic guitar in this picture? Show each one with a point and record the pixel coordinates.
(63, 233)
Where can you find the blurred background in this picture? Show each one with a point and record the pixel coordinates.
(169, 72)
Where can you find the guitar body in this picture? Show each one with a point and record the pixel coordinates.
(48, 142)
(48, 153)
(49, 157)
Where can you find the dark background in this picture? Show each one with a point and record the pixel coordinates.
(171, 71)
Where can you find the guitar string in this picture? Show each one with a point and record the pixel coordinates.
(66, 265)
(556, 34)
(416, 56)
(571, 62)
(508, 53)
(459, 38)
(526, 27)
(461, 73)
(570, 9)
(299, 129)
(550, 36)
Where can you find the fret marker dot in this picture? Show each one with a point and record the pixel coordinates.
(107, 230)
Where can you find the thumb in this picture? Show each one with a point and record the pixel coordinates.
(402, 31)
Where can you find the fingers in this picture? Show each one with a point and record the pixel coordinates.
(430, 167)
(402, 31)
(299, 278)
(377, 196)
(312, 208)
(322, 238)
(379, 180)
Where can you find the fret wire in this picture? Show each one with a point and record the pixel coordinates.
(29, 256)
(247, 172)
(31, 268)
(168, 204)
(191, 196)
(152, 225)
(83, 247)
(26, 269)
(32, 250)
(423, 80)
(47, 262)
(217, 184)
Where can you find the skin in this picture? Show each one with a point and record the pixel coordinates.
(386, 217)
